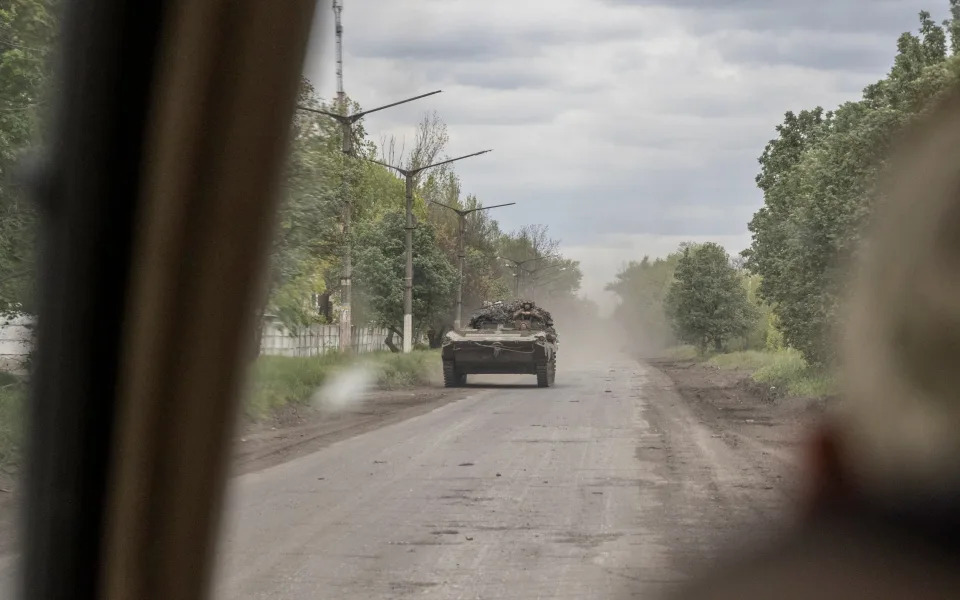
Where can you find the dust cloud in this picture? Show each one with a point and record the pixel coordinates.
(584, 335)
(345, 387)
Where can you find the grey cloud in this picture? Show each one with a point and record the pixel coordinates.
(717, 199)
(804, 49)
(464, 45)
(505, 79)
(463, 41)
(888, 16)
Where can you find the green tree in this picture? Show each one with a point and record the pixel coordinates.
(28, 34)
(380, 264)
(818, 180)
(305, 261)
(707, 302)
(545, 274)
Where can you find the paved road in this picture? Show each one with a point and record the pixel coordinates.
(605, 486)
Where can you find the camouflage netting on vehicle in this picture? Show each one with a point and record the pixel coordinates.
(502, 313)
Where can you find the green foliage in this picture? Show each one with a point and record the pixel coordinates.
(544, 275)
(790, 375)
(27, 30)
(13, 392)
(380, 266)
(397, 371)
(306, 262)
(763, 334)
(785, 371)
(752, 360)
(707, 303)
(308, 234)
(818, 178)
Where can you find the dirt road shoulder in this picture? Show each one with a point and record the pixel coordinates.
(742, 411)
(299, 430)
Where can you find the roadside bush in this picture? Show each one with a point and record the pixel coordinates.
(785, 370)
(396, 371)
(751, 360)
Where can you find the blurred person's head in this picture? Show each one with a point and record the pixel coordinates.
(895, 436)
(886, 463)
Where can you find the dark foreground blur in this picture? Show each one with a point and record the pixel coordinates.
(883, 470)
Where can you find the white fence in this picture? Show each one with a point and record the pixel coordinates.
(16, 340)
(317, 339)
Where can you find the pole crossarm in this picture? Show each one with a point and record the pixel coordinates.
(466, 211)
(401, 170)
(350, 119)
(356, 117)
(416, 171)
(446, 162)
(523, 262)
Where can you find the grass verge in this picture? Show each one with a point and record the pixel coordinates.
(784, 370)
(682, 353)
(12, 394)
(278, 381)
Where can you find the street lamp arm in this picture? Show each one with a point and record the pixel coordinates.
(472, 210)
(448, 161)
(340, 118)
(360, 114)
(456, 210)
(402, 171)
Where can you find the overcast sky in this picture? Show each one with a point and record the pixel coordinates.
(626, 126)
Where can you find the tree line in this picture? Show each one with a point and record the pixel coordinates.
(307, 255)
(818, 177)
(306, 258)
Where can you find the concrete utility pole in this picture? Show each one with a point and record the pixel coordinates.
(346, 125)
(338, 31)
(410, 176)
(462, 251)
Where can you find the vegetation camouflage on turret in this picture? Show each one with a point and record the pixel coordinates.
(501, 313)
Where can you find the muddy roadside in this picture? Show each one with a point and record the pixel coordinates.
(745, 414)
(299, 430)
(730, 452)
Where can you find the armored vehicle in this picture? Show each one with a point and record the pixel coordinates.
(513, 337)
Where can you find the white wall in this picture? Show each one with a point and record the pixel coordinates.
(16, 340)
(317, 339)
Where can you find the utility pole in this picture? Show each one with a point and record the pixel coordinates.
(346, 291)
(338, 31)
(462, 251)
(346, 125)
(410, 178)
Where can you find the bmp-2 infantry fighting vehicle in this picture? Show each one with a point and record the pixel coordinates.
(502, 337)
